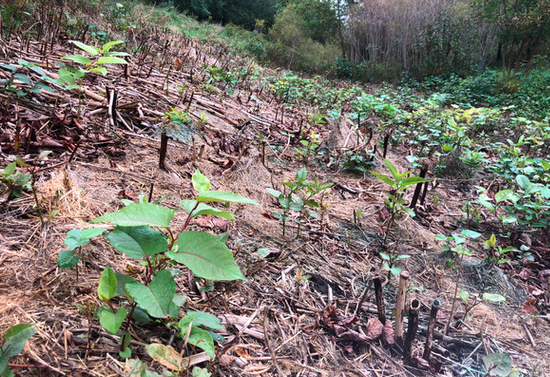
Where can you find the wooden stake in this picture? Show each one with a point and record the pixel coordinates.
(163, 148)
(400, 307)
(430, 332)
(412, 328)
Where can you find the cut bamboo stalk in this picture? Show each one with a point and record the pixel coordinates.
(418, 189)
(412, 328)
(400, 307)
(379, 299)
(163, 148)
(430, 332)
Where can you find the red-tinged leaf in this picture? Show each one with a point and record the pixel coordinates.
(375, 328)
(388, 334)
(268, 215)
(536, 292)
(529, 306)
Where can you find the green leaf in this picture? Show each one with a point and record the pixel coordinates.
(301, 175)
(200, 372)
(101, 70)
(200, 182)
(15, 337)
(470, 234)
(139, 214)
(202, 339)
(224, 197)
(112, 321)
(165, 355)
(406, 182)
(67, 259)
(440, 237)
(206, 256)
(23, 78)
(504, 195)
(464, 296)
(9, 67)
(384, 178)
(274, 193)
(78, 59)
(121, 281)
(89, 49)
(523, 182)
(3, 364)
(493, 297)
(107, 284)
(137, 242)
(80, 237)
(500, 364)
(205, 209)
(111, 60)
(545, 165)
(200, 319)
(510, 219)
(109, 45)
(156, 298)
(393, 170)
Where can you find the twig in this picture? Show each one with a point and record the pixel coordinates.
(268, 344)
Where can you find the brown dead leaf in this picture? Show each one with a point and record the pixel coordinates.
(529, 306)
(388, 336)
(242, 353)
(375, 328)
(221, 224)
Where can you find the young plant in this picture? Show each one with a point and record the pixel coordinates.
(12, 344)
(13, 181)
(471, 302)
(389, 262)
(399, 182)
(72, 78)
(456, 244)
(309, 147)
(21, 83)
(142, 231)
(298, 197)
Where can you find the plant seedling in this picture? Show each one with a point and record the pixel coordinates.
(12, 344)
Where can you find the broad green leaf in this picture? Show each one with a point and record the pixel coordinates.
(200, 182)
(523, 182)
(107, 284)
(112, 321)
(156, 298)
(224, 197)
(136, 368)
(137, 242)
(89, 49)
(9, 67)
(15, 337)
(78, 59)
(206, 256)
(395, 270)
(510, 219)
(165, 355)
(200, 319)
(470, 234)
(500, 364)
(202, 339)
(101, 70)
(204, 209)
(121, 281)
(440, 237)
(80, 237)
(458, 239)
(67, 259)
(139, 214)
(23, 78)
(464, 296)
(384, 178)
(545, 165)
(504, 195)
(493, 297)
(109, 45)
(274, 193)
(301, 175)
(111, 60)
(3, 364)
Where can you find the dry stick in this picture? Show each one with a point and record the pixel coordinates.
(268, 344)
(430, 332)
(163, 147)
(423, 199)
(380, 300)
(411, 331)
(458, 276)
(418, 188)
(152, 187)
(386, 140)
(400, 307)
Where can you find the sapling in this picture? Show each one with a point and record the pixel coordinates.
(13, 343)
(399, 182)
(142, 231)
